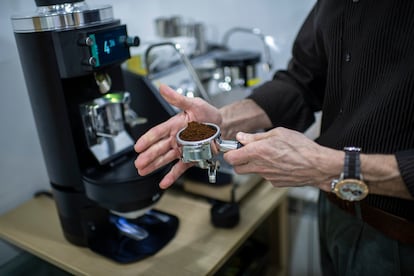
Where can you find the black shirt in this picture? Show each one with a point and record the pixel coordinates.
(354, 60)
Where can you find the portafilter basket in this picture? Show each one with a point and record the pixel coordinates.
(203, 151)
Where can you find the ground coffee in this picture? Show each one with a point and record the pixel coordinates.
(197, 131)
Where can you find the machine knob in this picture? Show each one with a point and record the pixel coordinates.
(131, 41)
(87, 41)
(91, 61)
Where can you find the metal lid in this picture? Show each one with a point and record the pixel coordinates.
(237, 58)
(54, 2)
(65, 16)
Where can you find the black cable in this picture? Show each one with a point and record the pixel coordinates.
(43, 193)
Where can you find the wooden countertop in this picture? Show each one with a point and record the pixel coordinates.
(198, 248)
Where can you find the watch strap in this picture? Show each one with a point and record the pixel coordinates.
(352, 163)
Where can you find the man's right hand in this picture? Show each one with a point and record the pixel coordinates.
(158, 146)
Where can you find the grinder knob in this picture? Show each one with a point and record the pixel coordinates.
(131, 41)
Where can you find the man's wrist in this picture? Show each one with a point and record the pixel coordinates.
(350, 185)
(244, 115)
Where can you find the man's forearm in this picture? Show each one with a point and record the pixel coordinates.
(382, 175)
(244, 115)
(379, 171)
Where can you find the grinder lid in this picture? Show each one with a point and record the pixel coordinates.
(55, 15)
(40, 3)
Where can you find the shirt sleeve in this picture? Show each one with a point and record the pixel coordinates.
(293, 95)
(405, 160)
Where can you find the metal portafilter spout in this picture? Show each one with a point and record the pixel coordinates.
(203, 151)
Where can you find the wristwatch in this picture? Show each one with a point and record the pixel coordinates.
(350, 185)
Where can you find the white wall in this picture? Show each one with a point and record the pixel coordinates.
(22, 170)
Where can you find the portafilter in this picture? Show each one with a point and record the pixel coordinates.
(202, 150)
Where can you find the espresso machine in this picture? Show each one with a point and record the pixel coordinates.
(87, 124)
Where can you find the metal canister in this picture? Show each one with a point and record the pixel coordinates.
(237, 68)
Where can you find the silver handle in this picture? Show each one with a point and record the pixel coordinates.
(226, 145)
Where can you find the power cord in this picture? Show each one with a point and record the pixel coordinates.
(43, 193)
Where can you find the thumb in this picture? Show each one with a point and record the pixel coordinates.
(246, 138)
(174, 98)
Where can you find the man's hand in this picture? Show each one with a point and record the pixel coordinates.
(158, 147)
(286, 158)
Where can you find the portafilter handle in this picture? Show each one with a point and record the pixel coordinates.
(223, 146)
(226, 145)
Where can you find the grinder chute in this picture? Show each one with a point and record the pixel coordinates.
(87, 123)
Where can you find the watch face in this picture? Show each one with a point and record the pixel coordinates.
(351, 189)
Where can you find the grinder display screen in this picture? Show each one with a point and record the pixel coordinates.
(108, 46)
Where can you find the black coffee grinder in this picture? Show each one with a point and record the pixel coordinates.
(71, 56)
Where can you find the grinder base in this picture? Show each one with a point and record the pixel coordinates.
(110, 243)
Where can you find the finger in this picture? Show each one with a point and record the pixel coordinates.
(247, 138)
(146, 164)
(157, 150)
(151, 136)
(244, 168)
(176, 171)
(238, 157)
(166, 128)
(241, 156)
(194, 109)
(159, 132)
(174, 98)
(251, 149)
